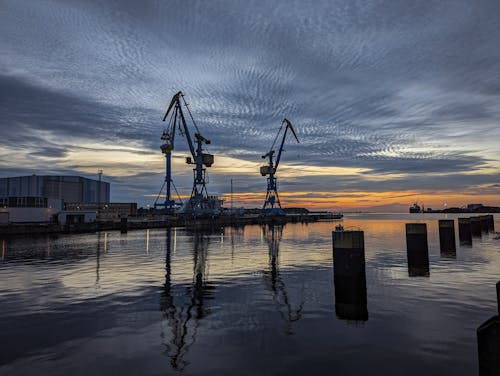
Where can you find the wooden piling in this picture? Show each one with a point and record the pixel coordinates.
(491, 222)
(488, 343)
(123, 224)
(447, 236)
(464, 230)
(417, 249)
(349, 275)
(476, 226)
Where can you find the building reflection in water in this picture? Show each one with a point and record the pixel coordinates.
(350, 281)
(183, 306)
(273, 234)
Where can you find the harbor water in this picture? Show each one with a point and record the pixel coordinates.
(242, 301)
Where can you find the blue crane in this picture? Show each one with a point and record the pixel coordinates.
(272, 203)
(199, 197)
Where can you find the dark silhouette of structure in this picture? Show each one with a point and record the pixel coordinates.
(272, 235)
(184, 306)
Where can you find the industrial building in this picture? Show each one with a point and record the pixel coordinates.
(68, 217)
(29, 209)
(67, 188)
(106, 211)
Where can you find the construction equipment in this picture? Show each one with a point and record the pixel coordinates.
(199, 203)
(272, 205)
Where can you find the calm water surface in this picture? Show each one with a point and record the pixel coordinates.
(246, 301)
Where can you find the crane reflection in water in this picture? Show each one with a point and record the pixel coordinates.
(273, 234)
(183, 305)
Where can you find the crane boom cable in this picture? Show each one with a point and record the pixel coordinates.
(176, 191)
(190, 114)
(276, 138)
(192, 119)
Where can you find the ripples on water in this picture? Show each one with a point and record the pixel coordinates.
(246, 300)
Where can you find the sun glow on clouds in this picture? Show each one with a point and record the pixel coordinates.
(359, 200)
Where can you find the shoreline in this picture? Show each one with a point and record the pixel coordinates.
(138, 223)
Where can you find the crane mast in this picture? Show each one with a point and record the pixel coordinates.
(272, 203)
(199, 202)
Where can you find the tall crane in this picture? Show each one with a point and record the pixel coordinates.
(272, 203)
(199, 199)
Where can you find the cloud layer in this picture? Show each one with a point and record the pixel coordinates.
(384, 96)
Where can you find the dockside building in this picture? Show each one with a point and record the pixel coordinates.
(67, 188)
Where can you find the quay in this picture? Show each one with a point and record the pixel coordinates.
(163, 221)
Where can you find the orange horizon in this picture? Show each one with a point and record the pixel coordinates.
(361, 200)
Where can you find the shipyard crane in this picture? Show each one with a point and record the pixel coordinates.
(199, 202)
(272, 203)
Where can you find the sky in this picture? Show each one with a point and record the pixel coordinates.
(393, 101)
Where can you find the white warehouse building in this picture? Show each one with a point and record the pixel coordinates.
(29, 209)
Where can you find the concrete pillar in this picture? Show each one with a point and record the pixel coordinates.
(447, 236)
(491, 223)
(475, 226)
(464, 230)
(349, 275)
(488, 344)
(417, 249)
(123, 224)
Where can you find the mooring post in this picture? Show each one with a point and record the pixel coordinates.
(491, 222)
(123, 224)
(417, 249)
(498, 297)
(464, 230)
(475, 226)
(488, 343)
(349, 275)
(447, 235)
(484, 223)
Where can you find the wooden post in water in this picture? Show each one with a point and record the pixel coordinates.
(447, 236)
(498, 297)
(349, 275)
(491, 222)
(475, 226)
(484, 223)
(417, 249)
(464, 230)
(488, 343)
(123, 224)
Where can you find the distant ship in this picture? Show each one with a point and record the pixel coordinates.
(415, 208)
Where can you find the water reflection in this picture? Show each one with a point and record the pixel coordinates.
(273, 234)
(183, 306)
